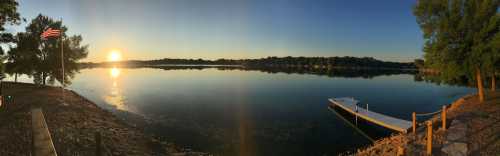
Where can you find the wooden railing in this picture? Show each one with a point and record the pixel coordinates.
(429, 126)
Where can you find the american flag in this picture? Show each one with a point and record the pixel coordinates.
(50, 33)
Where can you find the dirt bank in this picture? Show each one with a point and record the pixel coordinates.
(473, 128)
(72, 126)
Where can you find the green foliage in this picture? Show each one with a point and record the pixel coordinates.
(495, 45)
(461, 36)
(8, 13)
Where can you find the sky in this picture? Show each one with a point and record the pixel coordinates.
(236, 29)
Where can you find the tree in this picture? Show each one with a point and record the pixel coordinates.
(495, 44)
(47, 53)
(22, 58)
(8, 16)
(419, 63)
(459, 37)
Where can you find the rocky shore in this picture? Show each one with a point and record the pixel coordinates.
(473, 128)
(73, 125)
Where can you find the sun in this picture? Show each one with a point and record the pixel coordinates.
(114, 56)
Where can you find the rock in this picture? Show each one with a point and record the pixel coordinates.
(456, 132)
(455, 144)
(455, 149)
(179, 154)
(456, 136)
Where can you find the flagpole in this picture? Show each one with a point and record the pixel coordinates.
(62, 63)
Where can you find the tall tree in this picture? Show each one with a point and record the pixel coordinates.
(495, 70)
(22, 58)
(8, 16)
(48, 52)
(459, 37)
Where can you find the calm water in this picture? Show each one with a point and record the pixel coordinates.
(235, 111)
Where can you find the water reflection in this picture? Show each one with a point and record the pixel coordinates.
(115, 97)
(114, 72)
(229, 111)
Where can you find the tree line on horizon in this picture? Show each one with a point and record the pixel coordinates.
(29, 54)
(288, 62)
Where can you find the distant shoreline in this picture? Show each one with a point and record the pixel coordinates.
(111, 65)
(274, 62)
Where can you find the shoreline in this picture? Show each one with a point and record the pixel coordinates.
(73, 126)
(471, 129)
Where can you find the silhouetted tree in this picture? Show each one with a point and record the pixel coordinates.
(276, 62)
(22, 58)
(46, 54)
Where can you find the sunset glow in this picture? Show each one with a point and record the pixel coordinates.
(249, 77)
(114, 56)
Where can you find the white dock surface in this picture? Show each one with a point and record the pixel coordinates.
(349, 104)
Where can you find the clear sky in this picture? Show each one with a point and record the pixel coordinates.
(211, 29)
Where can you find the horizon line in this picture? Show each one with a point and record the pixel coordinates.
(206, 59)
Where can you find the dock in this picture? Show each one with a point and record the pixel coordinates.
(42, 141)
(350, 105)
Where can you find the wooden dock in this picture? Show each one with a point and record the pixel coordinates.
(349, 104)
(42, 141)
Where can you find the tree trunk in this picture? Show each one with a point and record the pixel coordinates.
(493, 82)
(43, 78)
(480, 87)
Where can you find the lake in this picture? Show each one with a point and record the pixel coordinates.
(230, 111)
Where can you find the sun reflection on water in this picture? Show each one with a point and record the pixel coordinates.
(114, 72)
(115, 96)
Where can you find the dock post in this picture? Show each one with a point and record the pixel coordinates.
(443, 116)
(356, 114)
(429, 137)
(414, 125)
(98, 150)
(401, 151)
